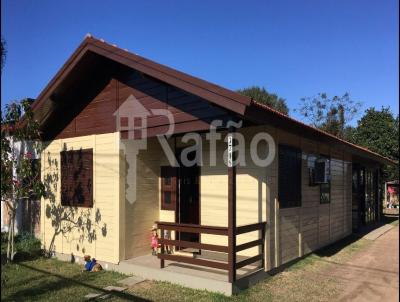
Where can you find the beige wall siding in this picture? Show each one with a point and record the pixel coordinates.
(99, 234)
(304, 229)
(301, 230)
(252, 192)
(214, 194)
(140, 195)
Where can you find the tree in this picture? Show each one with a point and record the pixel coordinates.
(378, 130)
(329, 114)
(20, 180)
(261, 95)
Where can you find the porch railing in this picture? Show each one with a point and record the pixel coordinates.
(214, 230)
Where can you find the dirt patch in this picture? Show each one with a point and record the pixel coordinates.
(372, 274)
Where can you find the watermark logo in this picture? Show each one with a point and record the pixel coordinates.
(137, 123)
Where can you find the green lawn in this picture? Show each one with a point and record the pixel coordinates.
(52, 280)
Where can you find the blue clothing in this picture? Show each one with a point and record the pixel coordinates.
(89, 265)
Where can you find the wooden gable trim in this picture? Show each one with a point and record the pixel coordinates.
(211, 96)
(61, 74)
(213, 93)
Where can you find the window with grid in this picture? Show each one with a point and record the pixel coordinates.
(168, 188)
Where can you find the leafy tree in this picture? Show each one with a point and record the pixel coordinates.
(349, 133)
(261, 95)
(329, 114)
(20, 180)
(378, 130)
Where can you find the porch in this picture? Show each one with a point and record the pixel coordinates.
(202, 266)
(216, 225)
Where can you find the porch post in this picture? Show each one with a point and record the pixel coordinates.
(231, 208)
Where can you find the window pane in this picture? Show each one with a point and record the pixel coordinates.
(168, 188)
(355, 181)
(167, 198)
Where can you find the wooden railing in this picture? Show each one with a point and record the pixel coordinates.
(260, 226)
(214, 230)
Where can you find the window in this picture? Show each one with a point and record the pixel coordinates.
(325, 193)
(355, 182)
(289, 178)
(77, 178)
(324, 179)
(168, 188)
(311, 159)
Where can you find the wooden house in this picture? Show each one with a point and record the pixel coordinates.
(228, 224)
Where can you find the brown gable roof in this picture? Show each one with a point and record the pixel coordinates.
(218, 95)
(291, 123)
(213, 93)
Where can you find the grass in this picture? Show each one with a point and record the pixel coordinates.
(395, 221)
(52, 280)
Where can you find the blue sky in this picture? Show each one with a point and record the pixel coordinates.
(293, 48)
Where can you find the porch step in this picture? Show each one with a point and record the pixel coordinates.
(184, 279)
(196, 277)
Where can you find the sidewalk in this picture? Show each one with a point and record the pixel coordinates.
(375, 234)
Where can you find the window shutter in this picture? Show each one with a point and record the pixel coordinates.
(84, 193)
(77, 178)
(289, 177)
(169, 184)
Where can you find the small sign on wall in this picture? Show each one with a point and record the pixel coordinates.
(230, 149)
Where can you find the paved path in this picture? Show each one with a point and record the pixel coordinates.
(373, 273)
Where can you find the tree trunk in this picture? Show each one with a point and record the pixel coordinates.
(9, 238)
(12, 236)
(11, 233)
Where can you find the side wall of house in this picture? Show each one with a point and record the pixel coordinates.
(295, 232)
(80, 231)
(290, 233)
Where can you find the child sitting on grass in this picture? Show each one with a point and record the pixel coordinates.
(91, 265)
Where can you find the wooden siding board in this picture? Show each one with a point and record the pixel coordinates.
(105, 246)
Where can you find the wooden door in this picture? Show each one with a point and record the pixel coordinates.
(189, 200)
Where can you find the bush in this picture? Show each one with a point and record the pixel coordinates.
(27, 246)
(4, 237)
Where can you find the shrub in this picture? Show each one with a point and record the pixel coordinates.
(4, 237)
(27, 246)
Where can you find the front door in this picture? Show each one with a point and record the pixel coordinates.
(189, 203)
